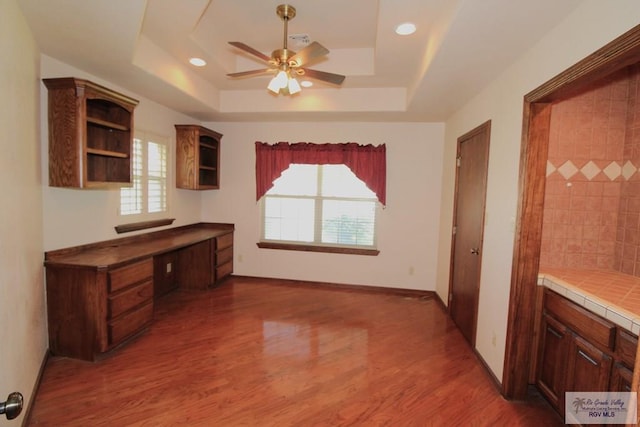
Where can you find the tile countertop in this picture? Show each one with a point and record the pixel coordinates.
(610, 294)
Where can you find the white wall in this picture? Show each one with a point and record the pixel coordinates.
(408, 226)
(74, 217)
(593, 24)
(23, 333)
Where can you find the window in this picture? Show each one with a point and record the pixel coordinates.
(324, 205)
(148, 194)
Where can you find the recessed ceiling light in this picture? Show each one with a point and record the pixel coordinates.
(306, 83)
(198, 62)
(406, 29)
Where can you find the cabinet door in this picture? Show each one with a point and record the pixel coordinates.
(588, 368)
(552, 360)
(621, 378)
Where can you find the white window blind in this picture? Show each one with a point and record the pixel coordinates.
(148, 194)
(324, 205)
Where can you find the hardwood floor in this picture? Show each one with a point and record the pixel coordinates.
(260, 353)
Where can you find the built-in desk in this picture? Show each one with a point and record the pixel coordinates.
(101, 294)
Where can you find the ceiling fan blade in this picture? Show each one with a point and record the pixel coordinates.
(250, 50)
(332, 78)
(309, 53)
(251, 73)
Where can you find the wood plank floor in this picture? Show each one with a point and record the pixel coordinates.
(252, 353)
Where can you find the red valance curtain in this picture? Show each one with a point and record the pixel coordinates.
(367, 162)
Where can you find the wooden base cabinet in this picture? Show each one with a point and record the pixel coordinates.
(580, 351)
(92, 310)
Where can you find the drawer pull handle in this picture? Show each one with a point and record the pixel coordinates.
(586, 356)
(554, 333)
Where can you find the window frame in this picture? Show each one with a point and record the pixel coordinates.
(317, 245)
(146, 138)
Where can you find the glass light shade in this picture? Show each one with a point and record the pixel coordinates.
(294, 87)
(280, 81)
(274, 85)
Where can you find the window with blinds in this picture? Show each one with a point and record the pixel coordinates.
(148, 194)
(324, 205)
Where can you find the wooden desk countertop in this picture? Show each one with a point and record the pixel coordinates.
(112, 253)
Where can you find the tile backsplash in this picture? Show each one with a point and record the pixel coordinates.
(592, 197)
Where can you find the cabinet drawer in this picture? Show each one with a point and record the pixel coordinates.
(130, 274)
(626, 346)
(130, 323)
(592, 327)
(130, 298)
(224, 241)
(224, 270)
(225, 255)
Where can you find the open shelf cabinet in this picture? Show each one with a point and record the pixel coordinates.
(90, 134)
(197, 158)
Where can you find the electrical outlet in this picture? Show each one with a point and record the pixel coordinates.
(411, 270)
(240, 258)
(169, 267)
(493, 339)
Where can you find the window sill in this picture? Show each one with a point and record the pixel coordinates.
(312, 248)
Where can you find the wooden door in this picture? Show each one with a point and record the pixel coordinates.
(468, 227)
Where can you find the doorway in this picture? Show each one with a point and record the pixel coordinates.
(620, 53)
(472, 163)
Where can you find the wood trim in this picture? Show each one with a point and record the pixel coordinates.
(413, 293)
(312, 248)
(615, 55)
(26, 419)
(526, 254)
(134, 226)
(621, 52)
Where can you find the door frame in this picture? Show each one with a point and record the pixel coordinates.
(486, 128)
(618, 54)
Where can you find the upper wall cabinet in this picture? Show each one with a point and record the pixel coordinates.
(197, 158)
(90, 134)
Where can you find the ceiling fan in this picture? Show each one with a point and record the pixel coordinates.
(286, 63)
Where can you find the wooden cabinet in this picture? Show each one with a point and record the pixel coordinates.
(580, 351)
(101, 294)
(90, 134)
(92, 310)
(209, 262)
(197, 158)
(223, 256)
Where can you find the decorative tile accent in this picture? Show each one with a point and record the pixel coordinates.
(628, 170)
(590, 170)
(613, 170)
(568, 169)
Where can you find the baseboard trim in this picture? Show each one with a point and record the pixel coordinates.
(496, 381)
(34, 391)
(416, 293)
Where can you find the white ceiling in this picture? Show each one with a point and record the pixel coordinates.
(144, 46)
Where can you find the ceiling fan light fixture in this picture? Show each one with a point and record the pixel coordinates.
(306, 83)
(406, 29)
